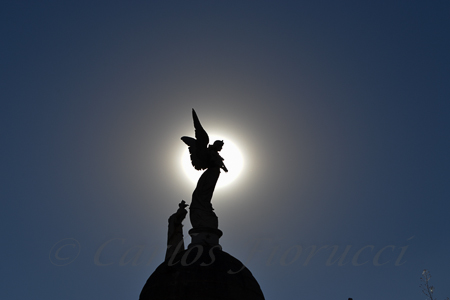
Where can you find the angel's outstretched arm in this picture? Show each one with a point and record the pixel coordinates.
(224, 168)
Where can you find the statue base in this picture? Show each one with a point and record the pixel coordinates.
(205, 236)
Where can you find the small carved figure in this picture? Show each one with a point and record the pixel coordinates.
(175, 242)
(204, 156)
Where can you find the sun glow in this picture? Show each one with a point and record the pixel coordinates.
(233, 160)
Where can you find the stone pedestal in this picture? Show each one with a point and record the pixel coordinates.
(205, 236)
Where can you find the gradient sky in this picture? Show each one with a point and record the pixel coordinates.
(341, 110)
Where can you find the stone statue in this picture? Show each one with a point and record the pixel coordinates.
(175, 243)
(203, 270)
(204, 156)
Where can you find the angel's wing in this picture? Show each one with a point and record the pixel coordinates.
(198, 148)
(200, 133)
(198, 159)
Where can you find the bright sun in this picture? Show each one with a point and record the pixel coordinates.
(233, 160)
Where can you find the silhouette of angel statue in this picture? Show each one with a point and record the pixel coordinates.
(204, 156)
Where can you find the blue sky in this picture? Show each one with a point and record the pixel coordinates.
(341, 110)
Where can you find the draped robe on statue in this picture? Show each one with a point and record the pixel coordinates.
(201, 210)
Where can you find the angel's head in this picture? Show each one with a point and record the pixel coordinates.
(217, 146)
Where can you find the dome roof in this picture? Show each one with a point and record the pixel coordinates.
(202, 273)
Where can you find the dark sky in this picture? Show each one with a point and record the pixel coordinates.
(341, 110)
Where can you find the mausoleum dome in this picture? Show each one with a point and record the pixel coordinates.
(202, 273)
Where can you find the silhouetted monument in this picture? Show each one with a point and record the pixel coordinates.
(203, 271)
